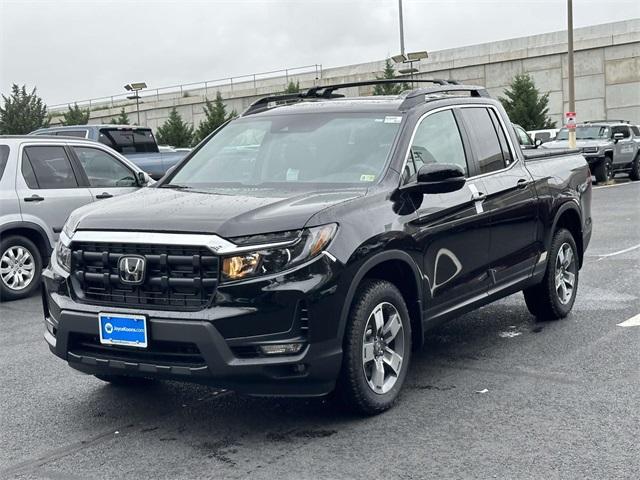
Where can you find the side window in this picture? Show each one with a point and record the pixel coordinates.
(103, 170)
(4, 157)
(635, 130)
(47, 167)
(621, 129)
(436, 140)
(484, 137)
(523, 138)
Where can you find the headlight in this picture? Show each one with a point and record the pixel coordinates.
(590, 150)
(311, 242)
(63, 255)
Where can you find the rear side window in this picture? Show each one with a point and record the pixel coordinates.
(437, 140)
(635, 130)
(488, 145)
(129, 140)
(4, 157)
(47, 167)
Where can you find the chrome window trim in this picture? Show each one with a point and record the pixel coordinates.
(216, 244)
(466, 105)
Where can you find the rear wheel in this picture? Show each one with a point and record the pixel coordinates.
(553, 298)
(604, 170)
(20, 267)
(377, 348)
(634, 174)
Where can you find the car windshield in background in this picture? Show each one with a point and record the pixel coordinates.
(321, 148)
(591, 132)
(126, 141)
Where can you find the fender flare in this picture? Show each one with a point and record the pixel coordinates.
(29, 226)
(369, 264)
(570, 205)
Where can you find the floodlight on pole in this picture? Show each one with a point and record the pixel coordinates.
(135, 87)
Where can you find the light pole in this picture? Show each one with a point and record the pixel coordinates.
(409, 57)
(135, 88)
(401, 28)
(571, 79)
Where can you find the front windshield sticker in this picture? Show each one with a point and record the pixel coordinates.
(292, 175)
(392, 119)
(367, 178)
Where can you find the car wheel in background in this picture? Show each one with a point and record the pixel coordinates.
(377, 348)
(553, 298)
(635, 169)
(20, 267)
(604, 170)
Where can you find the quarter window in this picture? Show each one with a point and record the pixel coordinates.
(47, 167)
(4, 156)
(489, 145)
(437, 140)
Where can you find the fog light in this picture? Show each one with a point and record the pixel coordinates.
(282, 349)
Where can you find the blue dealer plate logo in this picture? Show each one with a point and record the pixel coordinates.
(119, 329)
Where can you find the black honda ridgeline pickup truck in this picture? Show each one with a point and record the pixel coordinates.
(307, 246)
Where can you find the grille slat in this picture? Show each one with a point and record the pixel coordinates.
(179, 277)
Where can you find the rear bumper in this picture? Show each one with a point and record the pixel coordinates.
(214, 355)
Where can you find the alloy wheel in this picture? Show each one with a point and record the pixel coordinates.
(383, 348)
(17, 267)
(565, 274)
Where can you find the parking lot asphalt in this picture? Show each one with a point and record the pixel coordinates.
(560, 399)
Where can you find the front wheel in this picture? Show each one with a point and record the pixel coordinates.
(604, 170)
(377, 348)
(553, 298)
(635, 169)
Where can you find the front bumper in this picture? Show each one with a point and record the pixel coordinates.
(217, 345)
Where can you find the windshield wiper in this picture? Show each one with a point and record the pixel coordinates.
(174, 186)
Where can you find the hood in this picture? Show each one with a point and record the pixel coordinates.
(579, 143)
(245, 212)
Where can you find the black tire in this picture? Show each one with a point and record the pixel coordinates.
(634, 174)
(604, 170)
(543, 300)
(125, 380)
(11, 243)
(353, 386)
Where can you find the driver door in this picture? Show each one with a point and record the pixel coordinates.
(107, 175)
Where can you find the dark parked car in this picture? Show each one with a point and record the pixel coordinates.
(136, 143)
(309, 244)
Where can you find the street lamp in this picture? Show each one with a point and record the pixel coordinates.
(409, 58)
(571, 80)
(135, 88)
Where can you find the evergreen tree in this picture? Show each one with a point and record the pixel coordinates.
(524, 104)
(389, 88)
(293, 87)
(122, 119)
(22, 112)
(175, 131)
(215, 115)
(75, 116)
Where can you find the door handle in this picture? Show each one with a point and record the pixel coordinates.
(34, 198)
(104, 195)
(522, 183)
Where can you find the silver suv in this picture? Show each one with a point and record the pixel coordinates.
(42, 180)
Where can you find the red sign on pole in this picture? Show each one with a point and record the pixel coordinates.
(571, 120)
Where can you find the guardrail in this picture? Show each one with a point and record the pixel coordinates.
(184, 88)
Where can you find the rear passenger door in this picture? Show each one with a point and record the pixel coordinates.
(511, 201)
(625, 148)
(49, 186)
(106, 174)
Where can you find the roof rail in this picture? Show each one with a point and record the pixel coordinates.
(606, 121)
(327, 91)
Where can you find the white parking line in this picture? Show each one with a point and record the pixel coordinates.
(615, 185)
(630, 249)
(632, 322)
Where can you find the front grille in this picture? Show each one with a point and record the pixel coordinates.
(177, 277)
(157, 353)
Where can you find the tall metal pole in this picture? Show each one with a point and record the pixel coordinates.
(571, 79)
(138, 106)
(401, 28)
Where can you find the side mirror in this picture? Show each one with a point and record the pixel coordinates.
(617, 137)
(143, 179)
(537, 142)
(438, 178)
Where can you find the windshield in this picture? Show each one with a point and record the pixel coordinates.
(319, 148)
(590, 132)
(129, 140)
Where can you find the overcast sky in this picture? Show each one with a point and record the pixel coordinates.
(74, 50)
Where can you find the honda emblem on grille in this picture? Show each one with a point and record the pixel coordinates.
(132, 269)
